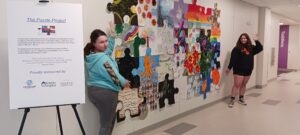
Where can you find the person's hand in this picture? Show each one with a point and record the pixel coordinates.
(227, 71)
(127, 84)
(112, 28)
(255, 37)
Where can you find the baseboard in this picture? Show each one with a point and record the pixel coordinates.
(273, 79)
(260, 86)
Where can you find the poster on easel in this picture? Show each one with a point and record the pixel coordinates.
(46, 63)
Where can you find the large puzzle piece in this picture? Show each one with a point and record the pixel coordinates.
(151, 36)
(163, 9)
(126, 65)
(178, 14)
(126, 36)
(181, 35)
(194, 85)
(165, 43)
(191, 63)
(129, 100)
(216, 30)
(148, 78)
(205, 86)
(166, 66)
(167, 91)
(147, 13)
(124, 10)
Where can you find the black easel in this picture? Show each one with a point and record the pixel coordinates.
(27, 110)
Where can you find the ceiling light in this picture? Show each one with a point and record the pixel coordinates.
(281, 23)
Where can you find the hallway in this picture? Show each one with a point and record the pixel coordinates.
(273, 110)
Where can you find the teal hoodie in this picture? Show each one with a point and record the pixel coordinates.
(103, 70)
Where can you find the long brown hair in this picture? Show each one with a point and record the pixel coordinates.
(90, 47)
(248, 45)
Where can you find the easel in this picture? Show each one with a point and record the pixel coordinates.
(27, 110)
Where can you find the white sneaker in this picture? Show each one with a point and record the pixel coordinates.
(231, 103)
(242, 101)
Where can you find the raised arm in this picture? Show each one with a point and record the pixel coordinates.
(111, 45)
(257, 48)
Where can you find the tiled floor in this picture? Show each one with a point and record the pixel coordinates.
(271, 102)
(180, 129)
(273, 110)
(253, 95)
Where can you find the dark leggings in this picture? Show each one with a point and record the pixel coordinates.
(105, 101)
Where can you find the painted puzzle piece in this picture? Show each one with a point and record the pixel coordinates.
(148, 78)
(193, 13)
(126, 36)
(128, 101)
(126, 65)
(205, 86)
(163, 10)
(165, 43)
(124, 10)
(167, 91)
(191, 63)
(178, 14)
(194, 85)
(181, 35)
(147, 12)
(166, 66)
(216, 30)
(151, 36)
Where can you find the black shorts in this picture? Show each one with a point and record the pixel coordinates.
(242, 73)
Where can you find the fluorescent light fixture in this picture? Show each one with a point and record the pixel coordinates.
(281, 23)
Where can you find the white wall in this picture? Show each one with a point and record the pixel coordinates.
(264, 34)
(274, 43)
(294, 47)
(236, 17)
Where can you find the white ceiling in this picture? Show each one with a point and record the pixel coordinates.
(286, 8)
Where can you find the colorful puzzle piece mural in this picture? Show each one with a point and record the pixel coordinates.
(159, 41)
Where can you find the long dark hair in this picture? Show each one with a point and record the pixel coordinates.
(248, 45)
(94, 36)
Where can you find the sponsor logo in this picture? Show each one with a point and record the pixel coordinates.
(66, 83)
(48, 84)
(29, 84)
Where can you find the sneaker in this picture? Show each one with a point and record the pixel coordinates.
(231, 103)
(242, 101)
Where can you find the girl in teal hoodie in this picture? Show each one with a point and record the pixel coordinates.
(104, 80)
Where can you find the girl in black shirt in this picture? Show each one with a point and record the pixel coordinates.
(242, 62)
